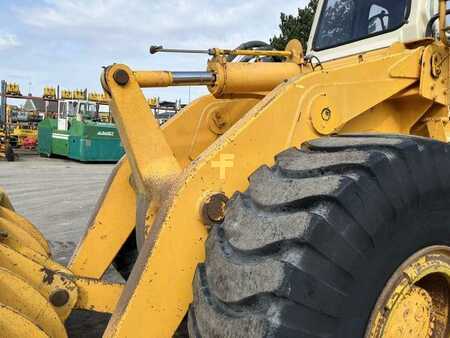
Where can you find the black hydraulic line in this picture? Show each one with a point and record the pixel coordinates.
(433, 19)
(257, 45)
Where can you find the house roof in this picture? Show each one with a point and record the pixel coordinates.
(39, 105)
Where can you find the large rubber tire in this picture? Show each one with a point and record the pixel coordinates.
(308, 248)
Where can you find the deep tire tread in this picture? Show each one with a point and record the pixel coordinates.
(282, 262)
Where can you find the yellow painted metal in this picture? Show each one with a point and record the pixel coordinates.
(30, 281)
(97, 295)
(49, 92)
(344, 105)
(415, 301)
(15, 325)
(259, 77)
(241, 77)
(25, 227)
(19, 295)
(437, 130)
(398, 114)
(16, 237)
(215, 131)
(443, 22)
(13, 89)
(23, 133)
(110, 226)
(28, 278)
(412, 318)
(212, 146)
(434, 75)
(41, 278)
(189, 133)
(148, 152)
(46, 276)
(391, 74)
(149, 79)
(25, 254)
(4, 200)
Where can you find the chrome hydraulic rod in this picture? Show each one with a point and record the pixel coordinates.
(168, 79)
(193, 78)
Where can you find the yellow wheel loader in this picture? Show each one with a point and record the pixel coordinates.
(341, 230)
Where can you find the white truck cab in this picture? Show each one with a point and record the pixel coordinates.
(347, 27)
(74, 109)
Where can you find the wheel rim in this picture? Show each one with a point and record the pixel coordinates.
(415, 301)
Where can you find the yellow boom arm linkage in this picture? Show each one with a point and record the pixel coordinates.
(255, 111)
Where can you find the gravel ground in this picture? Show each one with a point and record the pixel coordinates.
(58, 196)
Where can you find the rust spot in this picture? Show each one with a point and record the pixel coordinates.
(49, 276)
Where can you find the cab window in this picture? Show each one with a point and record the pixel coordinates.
(62, 110)
(82, 109)
(378, 19)
(345, 21)
(72, 112)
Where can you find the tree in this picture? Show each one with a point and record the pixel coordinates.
(295, 27)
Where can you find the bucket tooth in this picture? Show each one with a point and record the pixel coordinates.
(38, 294)
(14, 325)
(41, 277)
(16, 238)
(20, 296)
(22, 223)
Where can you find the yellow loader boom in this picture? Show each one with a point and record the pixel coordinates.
(339, 238)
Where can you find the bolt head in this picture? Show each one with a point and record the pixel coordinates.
(121, 77)
(213, 210)
(59, 297)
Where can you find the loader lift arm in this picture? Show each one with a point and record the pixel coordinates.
(305, 105)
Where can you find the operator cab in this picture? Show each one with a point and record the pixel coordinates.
(347, 27)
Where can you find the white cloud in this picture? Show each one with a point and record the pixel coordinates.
(80, 36)
(8, 41)
(175, 21)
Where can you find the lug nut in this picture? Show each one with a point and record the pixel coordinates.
(59, 297)
(121, 77)
(213, 209)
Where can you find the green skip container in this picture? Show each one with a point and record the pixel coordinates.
(84, 141)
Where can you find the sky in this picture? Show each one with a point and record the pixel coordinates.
(66, 42)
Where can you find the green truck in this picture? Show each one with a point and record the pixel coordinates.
(78, 134)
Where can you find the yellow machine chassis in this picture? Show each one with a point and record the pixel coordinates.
(174, 180)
